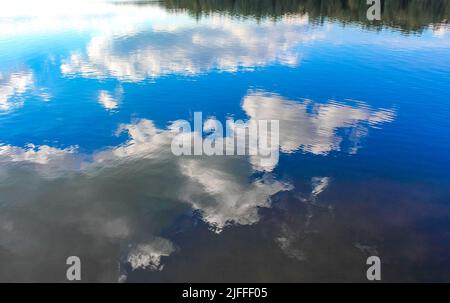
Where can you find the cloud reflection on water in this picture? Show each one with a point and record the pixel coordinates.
(312, 127)
(215, 43)
(69, 194)
(218, 187)
(16, 87)
(13, 88)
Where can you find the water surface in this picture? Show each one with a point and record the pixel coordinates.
(89, 91)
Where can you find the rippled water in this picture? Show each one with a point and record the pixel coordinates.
(89, 94)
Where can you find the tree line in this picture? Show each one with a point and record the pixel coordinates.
(405, 15)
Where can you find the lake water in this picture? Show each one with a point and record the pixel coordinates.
(90, 92)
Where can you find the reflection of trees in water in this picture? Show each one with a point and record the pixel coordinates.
(407, 15)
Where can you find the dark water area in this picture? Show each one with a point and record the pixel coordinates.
(90, 95)
(407, 16)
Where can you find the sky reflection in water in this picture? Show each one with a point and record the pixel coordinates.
(89, 92)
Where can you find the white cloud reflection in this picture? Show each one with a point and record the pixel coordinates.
(12, 89)
(214, 43)
(219, 188)
(224, 196)
(21, 18)
(313, 127)
(148, 255)
(213, 184)
(110, 101)
(16, 87)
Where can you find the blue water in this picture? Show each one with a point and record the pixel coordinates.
(366, 110)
